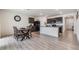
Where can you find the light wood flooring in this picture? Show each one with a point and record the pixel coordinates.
(41, 42)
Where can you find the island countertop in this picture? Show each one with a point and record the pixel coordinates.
(51, 31)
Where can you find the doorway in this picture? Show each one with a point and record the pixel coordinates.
(70, 24)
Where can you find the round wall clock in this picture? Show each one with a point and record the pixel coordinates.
(17, 18)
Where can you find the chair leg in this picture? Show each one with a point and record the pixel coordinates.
(30, 35)
(17, 38)
(22, 38)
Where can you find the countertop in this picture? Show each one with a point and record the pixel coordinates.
(51, 26)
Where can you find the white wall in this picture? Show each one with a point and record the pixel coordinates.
(42, 19)
(7, 22)
(76, 29)
(0, 26)
(0, 30)
(75, 24)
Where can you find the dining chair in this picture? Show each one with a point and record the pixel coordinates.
(25, 34)
(30, 30)
(17, 33)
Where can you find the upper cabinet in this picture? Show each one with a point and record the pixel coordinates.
(31, 20)
(55, 20)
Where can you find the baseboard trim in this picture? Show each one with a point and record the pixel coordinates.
(6, 35)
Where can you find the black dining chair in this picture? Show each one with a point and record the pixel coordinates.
(30, 27)
(17, 33)
(25, 34)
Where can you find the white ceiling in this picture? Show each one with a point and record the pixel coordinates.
(42, 12)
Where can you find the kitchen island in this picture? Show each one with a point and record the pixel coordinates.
(51, 31)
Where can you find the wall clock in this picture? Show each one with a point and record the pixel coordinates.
(17, 18)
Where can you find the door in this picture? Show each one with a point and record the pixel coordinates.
(69, 24)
